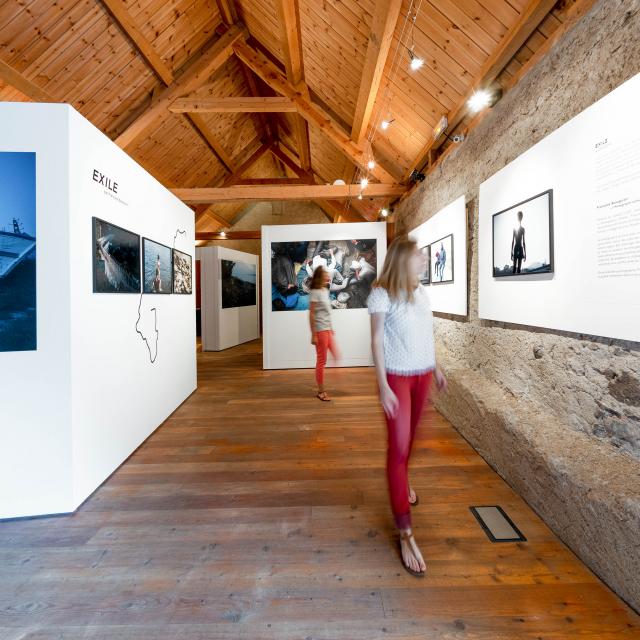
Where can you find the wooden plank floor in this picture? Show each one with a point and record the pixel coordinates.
(257, 512)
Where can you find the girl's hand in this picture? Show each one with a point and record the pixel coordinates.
(441, 380)
(389, 401)
(314, 338)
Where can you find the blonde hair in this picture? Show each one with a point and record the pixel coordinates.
(396, 276)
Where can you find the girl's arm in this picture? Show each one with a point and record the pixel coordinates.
(387, 397)
(312, 321)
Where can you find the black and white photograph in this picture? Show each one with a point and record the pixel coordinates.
(238, 284)
(182, 272)
(116, 259)
(441, 259)
(425, 276)
(157, 267)
(523, 237)
(18, 327)
(352, 267)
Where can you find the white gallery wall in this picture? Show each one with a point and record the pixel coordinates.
(448, 297)
(592, 163)
(90, 394)
(286, 334)
(224, 328)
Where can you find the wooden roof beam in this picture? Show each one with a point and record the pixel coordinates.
(241, 104)
(291, 41)
(285, 192)
(385, 17)
(193, 78)
(266, 70)
(533, 14)
(15, 79)
(208, 236)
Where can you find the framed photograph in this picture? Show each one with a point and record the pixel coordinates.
(238, 284)
(351, 264)
(523, 237)
(441, 260)
(116, 259)
(18, 322)
(425, 276)
(182, 272)
(157, 267)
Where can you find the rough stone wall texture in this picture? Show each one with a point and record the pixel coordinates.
(557, 414)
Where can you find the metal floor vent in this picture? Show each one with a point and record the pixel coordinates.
(497, 524)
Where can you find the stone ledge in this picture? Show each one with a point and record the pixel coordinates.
(586, 492)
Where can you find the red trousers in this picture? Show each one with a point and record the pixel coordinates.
(325, 342)
(412, 393)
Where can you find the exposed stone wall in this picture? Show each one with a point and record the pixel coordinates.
(581, 393)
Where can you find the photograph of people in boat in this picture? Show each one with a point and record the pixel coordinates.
(18, 327)
(157, 267)
(352, 267)
(238, 284)
(116, 259)
(441, 257)
(523, 237)
(182, 272)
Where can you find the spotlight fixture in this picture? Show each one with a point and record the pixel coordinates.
(384, 212)
(385, 124)
(364, 182)
(414, 61)
(480, 100)
(360, 196)
(223, 234)
(416, 176)
(339, 181)
(459, 137)
(441, 127)
(371, 164)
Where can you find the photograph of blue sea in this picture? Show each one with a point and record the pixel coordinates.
(18, 327)
(116, 259)
(157, 268)
(238, 284)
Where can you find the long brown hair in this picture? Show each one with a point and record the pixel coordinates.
(317, 280)
(396, 276)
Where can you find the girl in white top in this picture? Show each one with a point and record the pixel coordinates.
(405, 360)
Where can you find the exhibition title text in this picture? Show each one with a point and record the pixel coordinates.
(105, 181)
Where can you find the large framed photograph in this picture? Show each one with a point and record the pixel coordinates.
(157, 267)
(238, 284)
(18, 323)
(116, 259)
(441, 259)
(523, 237)
(182, 272)
(425, 276)
(351, 264)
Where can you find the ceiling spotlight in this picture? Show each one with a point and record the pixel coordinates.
(364, 182)
(339, 181)
(440, 127)
(385, 124)
(384, 212)
(479, 100)
(416, 176)
(414, 62)
(371, 164)
(360, 196)
(223, 234)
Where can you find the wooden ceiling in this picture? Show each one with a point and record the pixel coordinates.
(342, 66)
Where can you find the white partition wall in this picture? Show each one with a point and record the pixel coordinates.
(108, 367)
(223, 325)
(286, 334)
(448, 297)
(592, 165)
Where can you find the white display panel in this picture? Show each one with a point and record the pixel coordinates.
(448, 297)
(592, 164)
(286, 334)
(225, 327)
(89, 395)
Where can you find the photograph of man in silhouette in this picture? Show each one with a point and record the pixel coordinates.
(518, 245)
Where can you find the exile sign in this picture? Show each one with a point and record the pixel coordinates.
(105, 181)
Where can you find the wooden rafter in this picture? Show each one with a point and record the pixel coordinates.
(530, 18)
(275, 104)
(291, 41)
(259, 181)
(193, 78)
(278, 151)
(385, 17)
(266, 70)
(285, 192)
(15, 79)
(236, 176)
(207, 236)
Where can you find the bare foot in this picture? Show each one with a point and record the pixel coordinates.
(411, 555)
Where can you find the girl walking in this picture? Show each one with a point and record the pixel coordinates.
(322, 335)
(405, 361)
